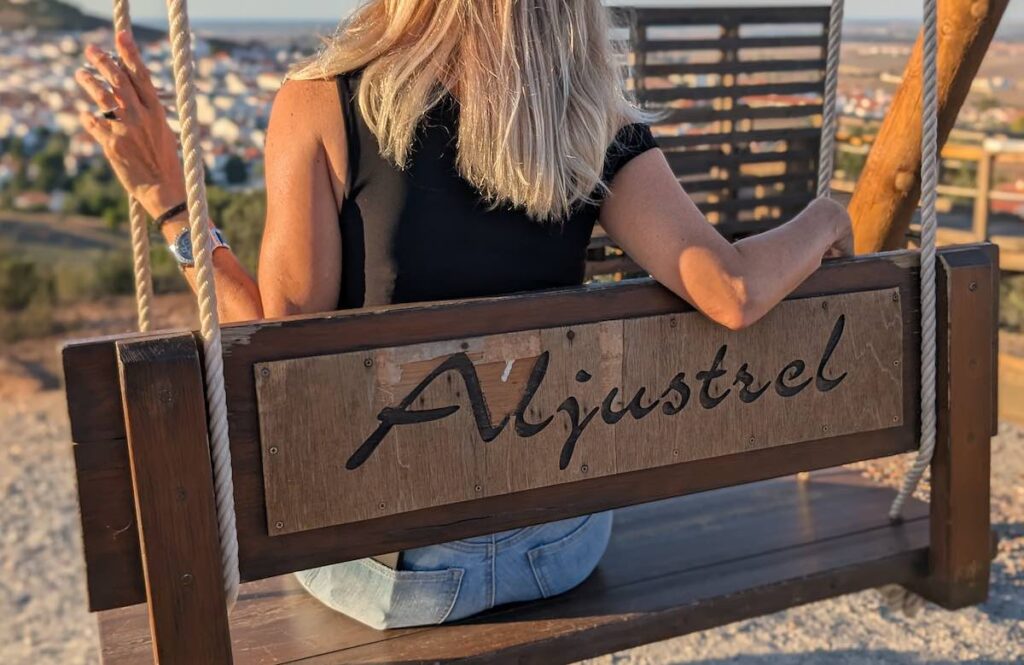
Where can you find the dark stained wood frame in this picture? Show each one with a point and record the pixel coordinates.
(961, 550)
(174, 499)
(109, 524)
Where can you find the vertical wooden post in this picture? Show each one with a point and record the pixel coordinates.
(165, 418)
(981, 199)
(888, 189)
(961, 539)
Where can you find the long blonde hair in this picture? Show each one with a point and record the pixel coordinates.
(540, 93)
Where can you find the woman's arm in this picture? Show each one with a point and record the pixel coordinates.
(306, 161)
(300, 259)
(650, 216)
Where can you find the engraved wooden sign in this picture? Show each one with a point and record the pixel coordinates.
(366, 434)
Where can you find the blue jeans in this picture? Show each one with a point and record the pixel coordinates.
(455, 580)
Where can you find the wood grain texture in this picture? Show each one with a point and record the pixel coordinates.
(672, 567)
(262, 555)
(959, 555)
(532, 409)
(165, 414)
(889, 187)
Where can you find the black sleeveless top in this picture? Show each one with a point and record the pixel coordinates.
(424, 233)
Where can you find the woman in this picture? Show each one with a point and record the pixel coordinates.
(443, 149)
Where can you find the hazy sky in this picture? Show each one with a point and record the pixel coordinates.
(332, 9)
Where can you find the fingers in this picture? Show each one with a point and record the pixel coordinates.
(136, 69)
(115, 75)
(97, 128)
(97, 91)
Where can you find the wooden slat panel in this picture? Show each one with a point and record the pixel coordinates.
(686, 162)
(731, 16)
(247, 344)
(671, 542)
(737, 67)
(335, 457)
(735, 43)
(734, 205)
(737, 138)
(699, 114)
(663, 95)
(806, 179)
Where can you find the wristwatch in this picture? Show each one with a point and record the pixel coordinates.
(181, 248)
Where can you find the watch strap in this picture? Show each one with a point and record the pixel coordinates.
(169, 214)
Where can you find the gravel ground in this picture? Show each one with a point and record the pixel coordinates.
(42, 596)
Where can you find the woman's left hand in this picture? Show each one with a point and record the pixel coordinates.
(137, 142)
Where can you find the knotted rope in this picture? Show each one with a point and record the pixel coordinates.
(137, 216)
(199, 222)
(929, 224)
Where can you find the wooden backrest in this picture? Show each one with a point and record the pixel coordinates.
(740, 90)
(322, 385)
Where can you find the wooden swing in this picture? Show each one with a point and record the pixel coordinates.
(319, 439)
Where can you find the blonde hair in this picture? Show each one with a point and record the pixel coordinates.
(539, 89)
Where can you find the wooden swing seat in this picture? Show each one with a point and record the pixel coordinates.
(673, 567)
(703, 535)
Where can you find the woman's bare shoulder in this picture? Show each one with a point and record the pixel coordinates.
(309, 104)
(307, 116)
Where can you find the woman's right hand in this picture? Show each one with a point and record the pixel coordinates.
(138, 143)
(842, 244)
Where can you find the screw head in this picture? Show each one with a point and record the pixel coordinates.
(278, 525)
(584, 468)
(973, 286)
(381, 505)
(187, 579)
(571, 335)
(265, 372)
(273, 450)
(672, 323)
(478, 488)
(368, 363)
(896, 297)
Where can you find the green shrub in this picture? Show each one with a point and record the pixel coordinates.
(114, 274)
(23, 282)
(36, 320)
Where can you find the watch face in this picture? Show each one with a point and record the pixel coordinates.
(184, 249)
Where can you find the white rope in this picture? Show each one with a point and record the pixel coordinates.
(137, 216)
(184, 78)
(929, 223)
(829, 112)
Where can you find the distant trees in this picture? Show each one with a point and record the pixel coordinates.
(235, 171)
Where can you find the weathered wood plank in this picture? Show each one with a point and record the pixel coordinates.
(663, 95)
(423, 426)
(960, 551)
(165, 413)
(738, 137)
(786, 42)
(738, 67)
